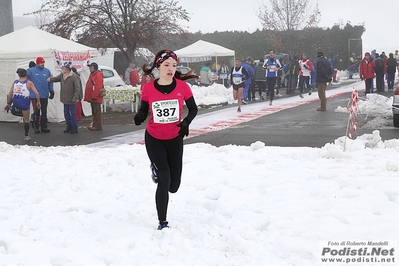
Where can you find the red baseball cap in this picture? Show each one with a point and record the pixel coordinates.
(40, 60)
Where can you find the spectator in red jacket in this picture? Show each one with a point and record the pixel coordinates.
(384, 58)
(94, 85)
(132, 74)
(367, 72)
(134, 77)
(145, 79)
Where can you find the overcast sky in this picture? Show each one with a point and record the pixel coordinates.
(209, 15)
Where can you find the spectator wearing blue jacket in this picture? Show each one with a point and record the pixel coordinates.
(313, 75)
(272, 65)
(251, 73)
(38, 75)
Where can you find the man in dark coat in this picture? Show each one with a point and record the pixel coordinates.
(392, 65)
(379, 73)
(323, 75)
(260, 79)
(294, 72)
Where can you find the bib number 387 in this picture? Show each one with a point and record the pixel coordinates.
(165, 112)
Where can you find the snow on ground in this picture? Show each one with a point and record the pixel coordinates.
(375, 109)
(237, 205)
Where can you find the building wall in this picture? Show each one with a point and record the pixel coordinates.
(6, 17)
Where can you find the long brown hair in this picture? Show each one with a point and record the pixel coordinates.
(147, 69)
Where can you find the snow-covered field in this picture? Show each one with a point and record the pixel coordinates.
(238, 205)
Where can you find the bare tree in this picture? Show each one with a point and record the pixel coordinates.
(41, 19)
(124, 24)
(287, 15)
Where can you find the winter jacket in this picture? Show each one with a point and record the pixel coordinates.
(367, 69)
(39, 77)
(379, 66)
(391, 65)
(94, 84)
(250, 70)
(305, 67)
(127, 75)
(294, 68)
(206, 75)
(385, 59)
(81, 86)
(224, 70)
(352, 63)
(323, 70)
(145, 79)
(134, 77)
(70, 87)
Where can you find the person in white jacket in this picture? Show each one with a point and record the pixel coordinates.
(305, 67)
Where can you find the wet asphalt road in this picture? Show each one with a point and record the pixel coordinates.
(295, 127)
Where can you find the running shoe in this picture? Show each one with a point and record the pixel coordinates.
(163, 225)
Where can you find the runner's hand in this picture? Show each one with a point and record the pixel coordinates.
(137, 120)
(183, 128)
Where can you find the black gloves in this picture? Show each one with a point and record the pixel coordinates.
(138, 120)
(183, 128)
(51, 95)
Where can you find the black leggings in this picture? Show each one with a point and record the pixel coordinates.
(167, 158)
(368, 83)
(271, 83)
(303, 80)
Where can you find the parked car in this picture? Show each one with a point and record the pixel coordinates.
(395, 108)
(185, 70)
(111, 77)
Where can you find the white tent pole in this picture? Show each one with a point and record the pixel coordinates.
(216, 68)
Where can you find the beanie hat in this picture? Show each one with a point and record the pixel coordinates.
(67, 65)
(21, 72)
(32, 64)
(94, 65)
(320, 54)
(40, 60)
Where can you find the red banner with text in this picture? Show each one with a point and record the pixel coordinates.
(78, 60)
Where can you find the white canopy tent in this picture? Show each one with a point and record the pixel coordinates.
(202, 51)
(20, 47)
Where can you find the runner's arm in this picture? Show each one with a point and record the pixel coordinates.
(192, 109)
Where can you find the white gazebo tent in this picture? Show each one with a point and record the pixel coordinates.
(20, 47)
(202, 51)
